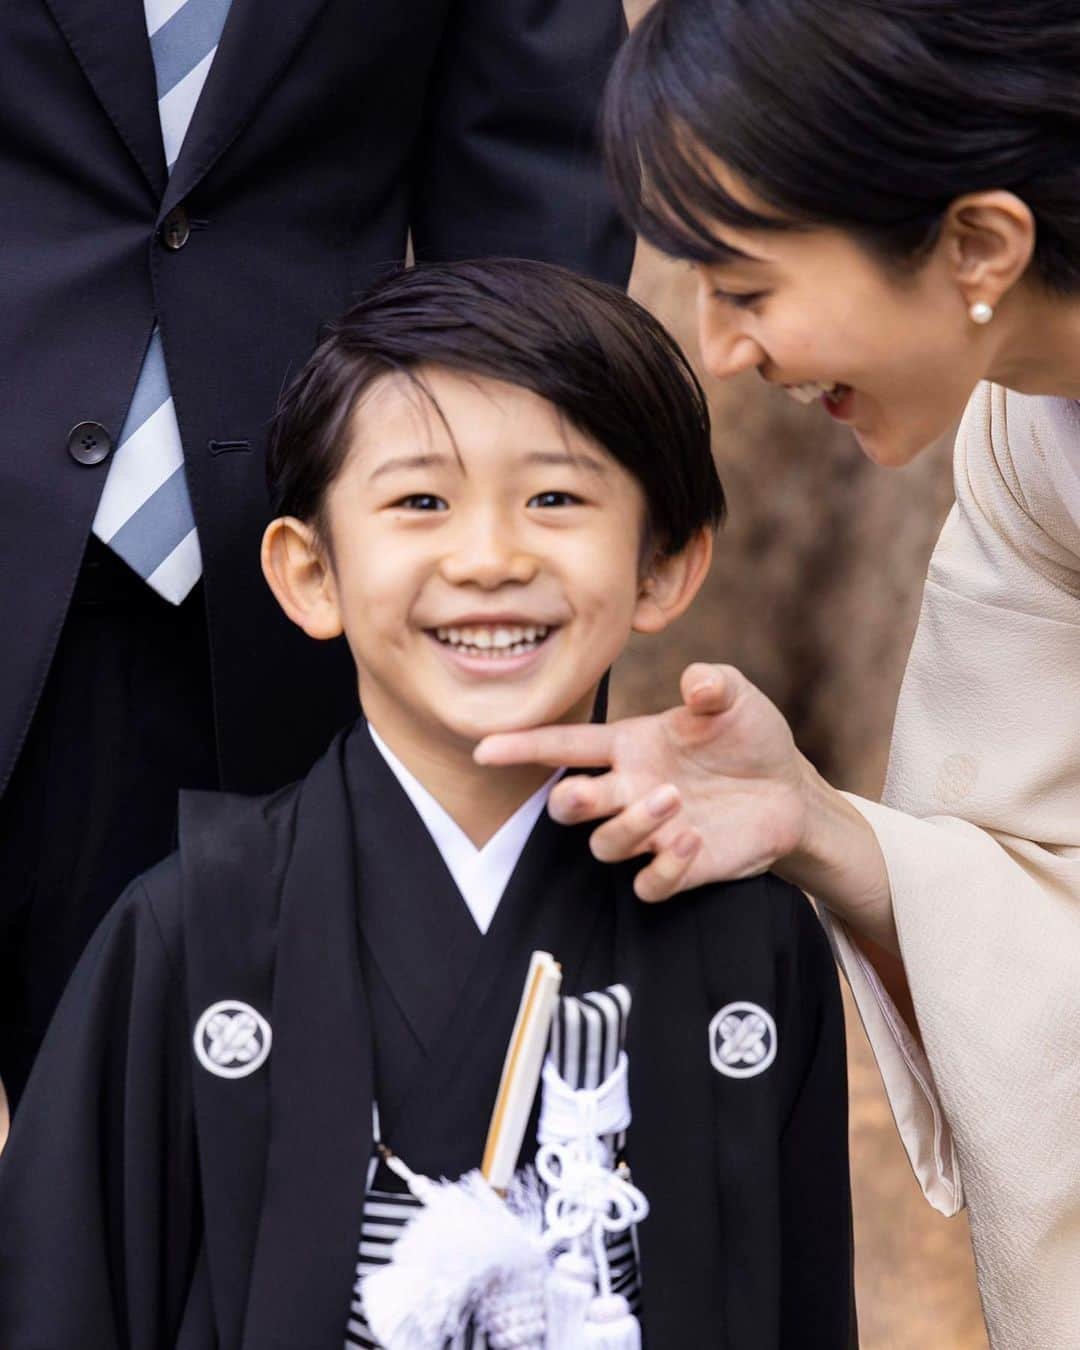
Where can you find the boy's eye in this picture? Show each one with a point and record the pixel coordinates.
(740, 300)
(554, 499)
(423, 501)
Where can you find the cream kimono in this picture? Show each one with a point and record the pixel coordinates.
(982, 844)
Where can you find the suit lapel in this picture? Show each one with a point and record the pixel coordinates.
(108, 38)
(255, 45)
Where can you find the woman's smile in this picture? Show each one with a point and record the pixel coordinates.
(839, 402)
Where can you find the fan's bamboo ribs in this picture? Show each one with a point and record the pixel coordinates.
(521, 1070)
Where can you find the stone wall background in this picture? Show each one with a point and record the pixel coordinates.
(814, 594)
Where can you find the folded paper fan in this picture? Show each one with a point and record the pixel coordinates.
(521, 1070)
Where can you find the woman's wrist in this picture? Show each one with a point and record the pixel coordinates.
(840, 863)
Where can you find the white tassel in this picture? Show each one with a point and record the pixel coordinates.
(611, 1325)
(513, 1315)
(465, 1252)
(512, 1312)
(567, 1297)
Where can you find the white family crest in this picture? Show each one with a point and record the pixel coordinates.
(742, 1040)
(232, 1039)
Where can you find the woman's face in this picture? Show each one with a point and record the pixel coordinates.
(893, 356)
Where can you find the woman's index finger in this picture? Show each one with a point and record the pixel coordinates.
(571, 747)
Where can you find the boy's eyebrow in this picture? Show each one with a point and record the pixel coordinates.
(430, 460)
(558, 458)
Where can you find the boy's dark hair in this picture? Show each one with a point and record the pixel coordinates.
(868, 115)
(601, 359)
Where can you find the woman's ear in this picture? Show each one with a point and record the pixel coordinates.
(989, 239)
(671, 582)
(298, 571)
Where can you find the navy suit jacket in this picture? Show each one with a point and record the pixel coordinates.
(326, 132)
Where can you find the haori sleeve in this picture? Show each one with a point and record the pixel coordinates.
(981, 838)
(97, 1183)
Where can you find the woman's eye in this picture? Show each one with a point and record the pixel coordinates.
(740, 300)
(554, 499)
(422, 501)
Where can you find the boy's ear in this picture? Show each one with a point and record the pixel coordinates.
(671, 582)
(297, 569)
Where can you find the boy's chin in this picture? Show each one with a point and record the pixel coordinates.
(493, 722)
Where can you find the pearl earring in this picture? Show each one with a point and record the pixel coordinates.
(980, 312)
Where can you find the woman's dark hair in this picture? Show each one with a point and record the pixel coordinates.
(601, 359)
(868, 115)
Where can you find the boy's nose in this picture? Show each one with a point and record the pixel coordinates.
(489, 557)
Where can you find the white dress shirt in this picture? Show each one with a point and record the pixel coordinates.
(481, 874)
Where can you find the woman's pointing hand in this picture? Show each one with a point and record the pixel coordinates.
(714, 790)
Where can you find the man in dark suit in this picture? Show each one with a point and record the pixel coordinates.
(187, 187)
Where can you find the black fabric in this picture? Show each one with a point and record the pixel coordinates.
(99, 1187)
(443, 996)
(747, 1179)
(327, 129)
(747, 1244)
(125, 718)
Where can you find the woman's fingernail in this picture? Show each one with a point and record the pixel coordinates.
(662, 799)
(686, 845)
(563, 807)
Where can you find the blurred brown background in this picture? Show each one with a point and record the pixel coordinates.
(814, 594)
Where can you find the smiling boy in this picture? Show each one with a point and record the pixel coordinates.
(486, 562)
(487, 477)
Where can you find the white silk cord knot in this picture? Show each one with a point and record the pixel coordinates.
(587, 1200)
(569, 1113)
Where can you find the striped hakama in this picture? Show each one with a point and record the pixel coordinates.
(587, 1036)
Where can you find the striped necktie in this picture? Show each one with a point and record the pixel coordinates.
(145, 514)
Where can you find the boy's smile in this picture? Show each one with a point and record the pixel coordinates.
(485, 558)
(498, 642)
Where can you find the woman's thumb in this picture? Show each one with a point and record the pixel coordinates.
(709, 690)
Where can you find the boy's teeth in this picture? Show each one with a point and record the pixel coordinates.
(498, 639)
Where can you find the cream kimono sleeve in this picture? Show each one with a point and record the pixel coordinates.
(984, 865)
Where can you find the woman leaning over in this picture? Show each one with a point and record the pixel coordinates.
(882, 202)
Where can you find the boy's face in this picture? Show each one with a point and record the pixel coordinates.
(485, 565)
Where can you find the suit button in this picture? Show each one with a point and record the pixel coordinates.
(88, 443)
(175, 229)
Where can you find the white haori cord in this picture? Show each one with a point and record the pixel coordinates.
(470, 1254)
(588, 1201)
